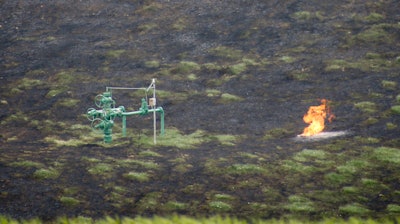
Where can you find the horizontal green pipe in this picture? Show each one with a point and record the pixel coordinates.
(139, 112)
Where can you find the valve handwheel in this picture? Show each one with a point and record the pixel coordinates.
(88, 115)
(97, 100)
(95, 125)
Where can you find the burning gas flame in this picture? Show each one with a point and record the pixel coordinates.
(315, 117)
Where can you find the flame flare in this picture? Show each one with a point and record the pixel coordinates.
(315, 117)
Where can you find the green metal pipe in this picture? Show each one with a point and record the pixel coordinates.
(124, 126)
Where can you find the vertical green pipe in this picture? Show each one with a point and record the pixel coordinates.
(124, 126)
(162, 121)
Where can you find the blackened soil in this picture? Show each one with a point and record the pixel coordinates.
(291, 44)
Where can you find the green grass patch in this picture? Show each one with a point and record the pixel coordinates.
(309, 155)
(226, 52)
(175, 206)
(374, 17)
(354, 209)
(138, 176)
(135, 163)
(237, 68)
(152, 64)
(395, 109)
(115, 53)
(229, 98)
(175, 138)
(300, 204)
(389, 85)
(366, 106)
(354, 166)
(186, 67)
(28, 83)
(149, 153)
(375, 34)
(27, 164)
(49, 173)
(243, 169)
(69, 201)
(337, 179)
(101, 169)
(287, 59)
(220, 206)
(387, 155)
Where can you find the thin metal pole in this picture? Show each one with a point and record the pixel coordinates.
(154, 112)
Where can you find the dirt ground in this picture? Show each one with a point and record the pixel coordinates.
(239, 69)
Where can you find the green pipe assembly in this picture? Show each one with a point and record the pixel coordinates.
(103, 119)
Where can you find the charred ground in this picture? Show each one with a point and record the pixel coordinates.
(235, 78)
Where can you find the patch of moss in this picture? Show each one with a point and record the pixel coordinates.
(375, 34)
(173, 137)
(353, 166)
(398, 98)
(138, 176)
(149, 153)
(132, 163)
(175, 206)
(393, 208)
(229, 98)
(354, 209)
(366, 106)
(237, 68)
(68, 102)
(287, 59)
(49, 173)
(302, 15)
(390, 125)
(69, 201)
(351, 190)
(223, 197)
(150, 7)
(374, 17)
(185, 67)
(300, 76)
(26, 163)
(191, 77)
(387, 155)
(211, 66)
(298, 167)
(163, 94)
(180, 24)
(213, 92)
(219, 206)
(152, 64)
(389, 85)
(372, 186)
(372, 62)
(115, 53)
(300, 204)
(337, 179)
(229, 140)
(101, 169)
(395, 109)
(150, 202)
(308, 155)
(226, 52)
(244, 169)
(27, 83)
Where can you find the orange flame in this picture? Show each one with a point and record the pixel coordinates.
(315, 117)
